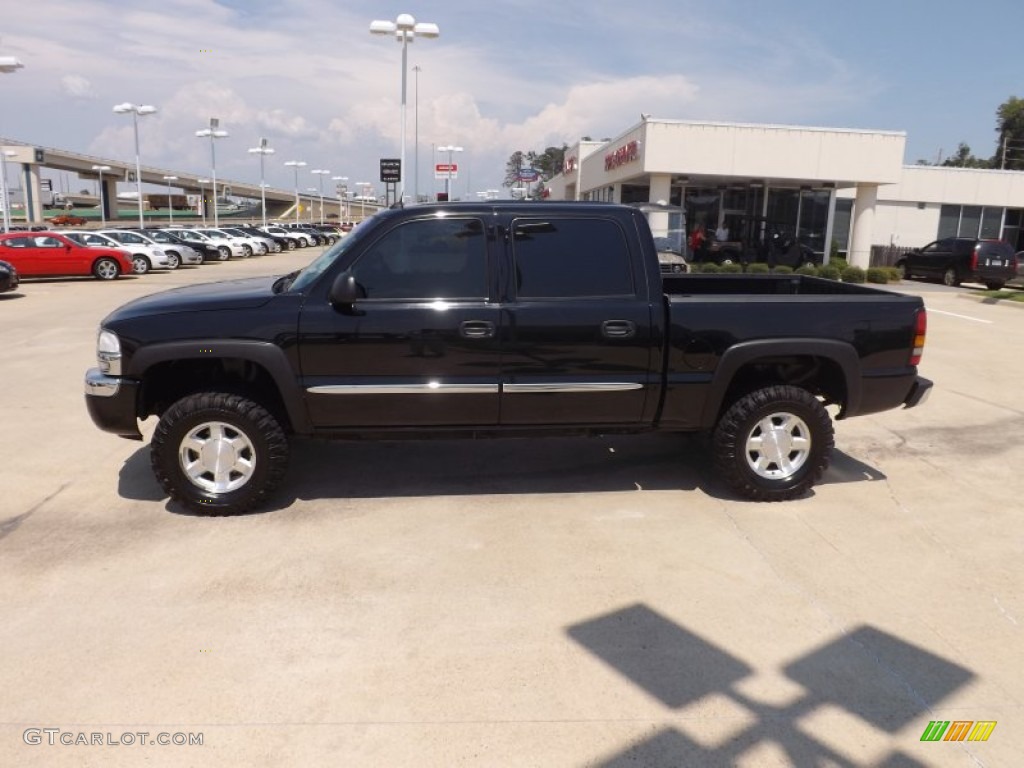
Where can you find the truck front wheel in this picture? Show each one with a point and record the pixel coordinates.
(218, 453)
(773, 444)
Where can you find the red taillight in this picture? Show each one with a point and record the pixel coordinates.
(920, 331)
(974, 258)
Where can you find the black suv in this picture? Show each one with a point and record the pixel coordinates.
(957, 260)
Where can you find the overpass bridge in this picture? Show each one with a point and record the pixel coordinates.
(31, 159)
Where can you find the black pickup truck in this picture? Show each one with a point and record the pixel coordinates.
(500, 319)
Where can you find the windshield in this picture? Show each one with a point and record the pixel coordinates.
(320, 265)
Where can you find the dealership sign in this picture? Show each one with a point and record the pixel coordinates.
(390, 170)
(624, 154)
(528, 174)
(446, 170)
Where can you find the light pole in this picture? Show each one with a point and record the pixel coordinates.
(313, 190)
(416, 140)
(202, 199)
(296, 164)
(170, 206)
(362, 198)
(6, 193)
(213, 133)
(341, 190)
(136, 110)
(321, 173)
(103, 194)
(448, 181)
(262, 150)
(8, 65)
(405, 29)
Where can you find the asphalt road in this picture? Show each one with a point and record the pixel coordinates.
(567, 602)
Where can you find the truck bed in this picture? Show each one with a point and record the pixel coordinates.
(763, 285)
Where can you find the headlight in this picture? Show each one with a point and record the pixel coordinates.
(108, 353)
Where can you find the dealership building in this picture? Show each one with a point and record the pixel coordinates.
(824, 185)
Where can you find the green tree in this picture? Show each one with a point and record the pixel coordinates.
(963, 158)
(516, 162)
(1010, 127)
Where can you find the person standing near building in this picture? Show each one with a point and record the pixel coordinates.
(722, 233)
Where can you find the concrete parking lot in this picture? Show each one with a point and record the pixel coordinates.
(567, 602)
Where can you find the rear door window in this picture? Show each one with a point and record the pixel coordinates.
(557, 257)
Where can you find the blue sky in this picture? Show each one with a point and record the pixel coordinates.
(504, 75)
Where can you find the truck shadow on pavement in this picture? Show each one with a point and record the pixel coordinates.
(862, 678)
(321, 469)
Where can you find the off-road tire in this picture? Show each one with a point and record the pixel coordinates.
(804, 427)
(239, 422)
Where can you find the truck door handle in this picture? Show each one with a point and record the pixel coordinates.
(476, 329)
(618, 329)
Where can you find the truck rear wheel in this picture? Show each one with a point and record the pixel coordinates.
(218, 453)
(773, 444)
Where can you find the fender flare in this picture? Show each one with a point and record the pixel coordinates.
(269, 356)
(739, 355)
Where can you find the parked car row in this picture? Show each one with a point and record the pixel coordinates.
(110, 253)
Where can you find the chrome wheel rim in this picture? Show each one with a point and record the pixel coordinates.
(949, 278)
(139, 265)
(778, 446)
(217, 457)
(107, 270)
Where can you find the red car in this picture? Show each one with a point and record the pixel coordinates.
(67, 220)
(45, 254)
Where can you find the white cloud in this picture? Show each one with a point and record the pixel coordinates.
(77, 86)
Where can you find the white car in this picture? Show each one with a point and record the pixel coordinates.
(256, 247)
(227, 246)
(146, 254)
(295, 239)
(267, 243)
(173, 248)
(306, 238)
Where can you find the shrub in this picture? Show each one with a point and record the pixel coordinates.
(852, 275)
(839, 263)
(732, 268)
(783, 269)
(829, 272)
(709, 268)
(894, 274)
(878, 275)
(758, 268)
(808, 270)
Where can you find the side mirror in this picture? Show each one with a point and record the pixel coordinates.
(345, 292)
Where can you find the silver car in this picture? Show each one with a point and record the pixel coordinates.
(145, 253)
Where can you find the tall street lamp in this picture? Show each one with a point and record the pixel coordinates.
(170, 205)
(341, 190)
(448, 181)
(296, 164)
(202, 199)
(136, 110)
(416, 134)
(405, 29)
(8, 65)
(313, 190)
(103, 193)
(213, 133)
(321, 173)
(262, 150)
(363, 185)
(3, 187)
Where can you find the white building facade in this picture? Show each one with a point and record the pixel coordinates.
(823, 185)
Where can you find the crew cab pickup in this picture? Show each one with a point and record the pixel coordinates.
(499, 319)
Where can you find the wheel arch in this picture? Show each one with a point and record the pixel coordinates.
(824, 367)
(258, 370)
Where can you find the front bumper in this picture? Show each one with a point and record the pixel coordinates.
(111, 402)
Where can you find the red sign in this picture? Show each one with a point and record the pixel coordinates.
(442, 170)
(622, 155)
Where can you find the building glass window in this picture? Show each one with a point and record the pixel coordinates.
(841, 225)
(949, 222)
(813, 218)
(970, 221)
(991, 223)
